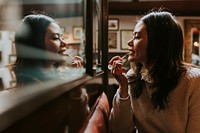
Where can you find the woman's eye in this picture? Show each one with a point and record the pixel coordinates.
(137, 37)
(55, 38)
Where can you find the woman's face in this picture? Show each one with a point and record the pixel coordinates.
(54, 40)
(138, 44)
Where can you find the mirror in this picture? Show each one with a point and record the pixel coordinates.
(67, 14)
(97, 41)
(192, 38)
(195, 45)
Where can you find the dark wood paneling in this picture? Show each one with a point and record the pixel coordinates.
(179, 8)
(59, 10)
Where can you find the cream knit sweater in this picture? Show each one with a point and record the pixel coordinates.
(182, 115)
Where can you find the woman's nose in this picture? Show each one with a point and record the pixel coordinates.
(63, 43)
(130, 42)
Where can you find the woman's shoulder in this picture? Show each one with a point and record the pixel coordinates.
(193, 71)
(192, 76)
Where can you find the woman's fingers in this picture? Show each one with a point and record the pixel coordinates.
(76, 64)
(77, 61)
(118, 70)
(115, 58)
(116, 61)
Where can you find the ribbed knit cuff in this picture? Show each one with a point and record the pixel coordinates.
(119, 97)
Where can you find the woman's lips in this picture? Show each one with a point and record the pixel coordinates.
(131, 51)
(62, 51)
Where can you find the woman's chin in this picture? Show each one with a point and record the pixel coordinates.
(132, 59)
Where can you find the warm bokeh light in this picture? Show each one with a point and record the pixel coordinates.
(196, 44)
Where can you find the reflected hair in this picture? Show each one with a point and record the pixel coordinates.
(31, 33)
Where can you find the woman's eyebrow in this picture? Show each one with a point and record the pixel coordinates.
(58, 34)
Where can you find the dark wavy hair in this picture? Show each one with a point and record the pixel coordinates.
(30, 35)
(30, 49)
(164, 57)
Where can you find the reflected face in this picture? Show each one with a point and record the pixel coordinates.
(54, 39)
(138, 44)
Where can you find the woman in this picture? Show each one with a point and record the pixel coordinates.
(160, 94)
(40, 50)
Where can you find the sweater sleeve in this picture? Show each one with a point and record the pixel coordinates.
(194, 107)
(121, 117)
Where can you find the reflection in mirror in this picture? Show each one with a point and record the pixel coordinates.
(40, 55)
(97, 41)
(191, 32)
(195, 46)
(45, 51)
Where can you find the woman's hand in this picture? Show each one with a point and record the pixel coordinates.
(69, 61)
(118, 71)
(77, 61)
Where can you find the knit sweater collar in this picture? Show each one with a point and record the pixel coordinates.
(145, 75)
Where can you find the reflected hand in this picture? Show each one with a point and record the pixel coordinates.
(77, 61)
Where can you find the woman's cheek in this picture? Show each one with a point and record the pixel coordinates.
(55, 46)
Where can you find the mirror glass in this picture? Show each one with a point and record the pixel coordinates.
(195, 45)
(97, 49)
(68, 15)
(192, 38)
